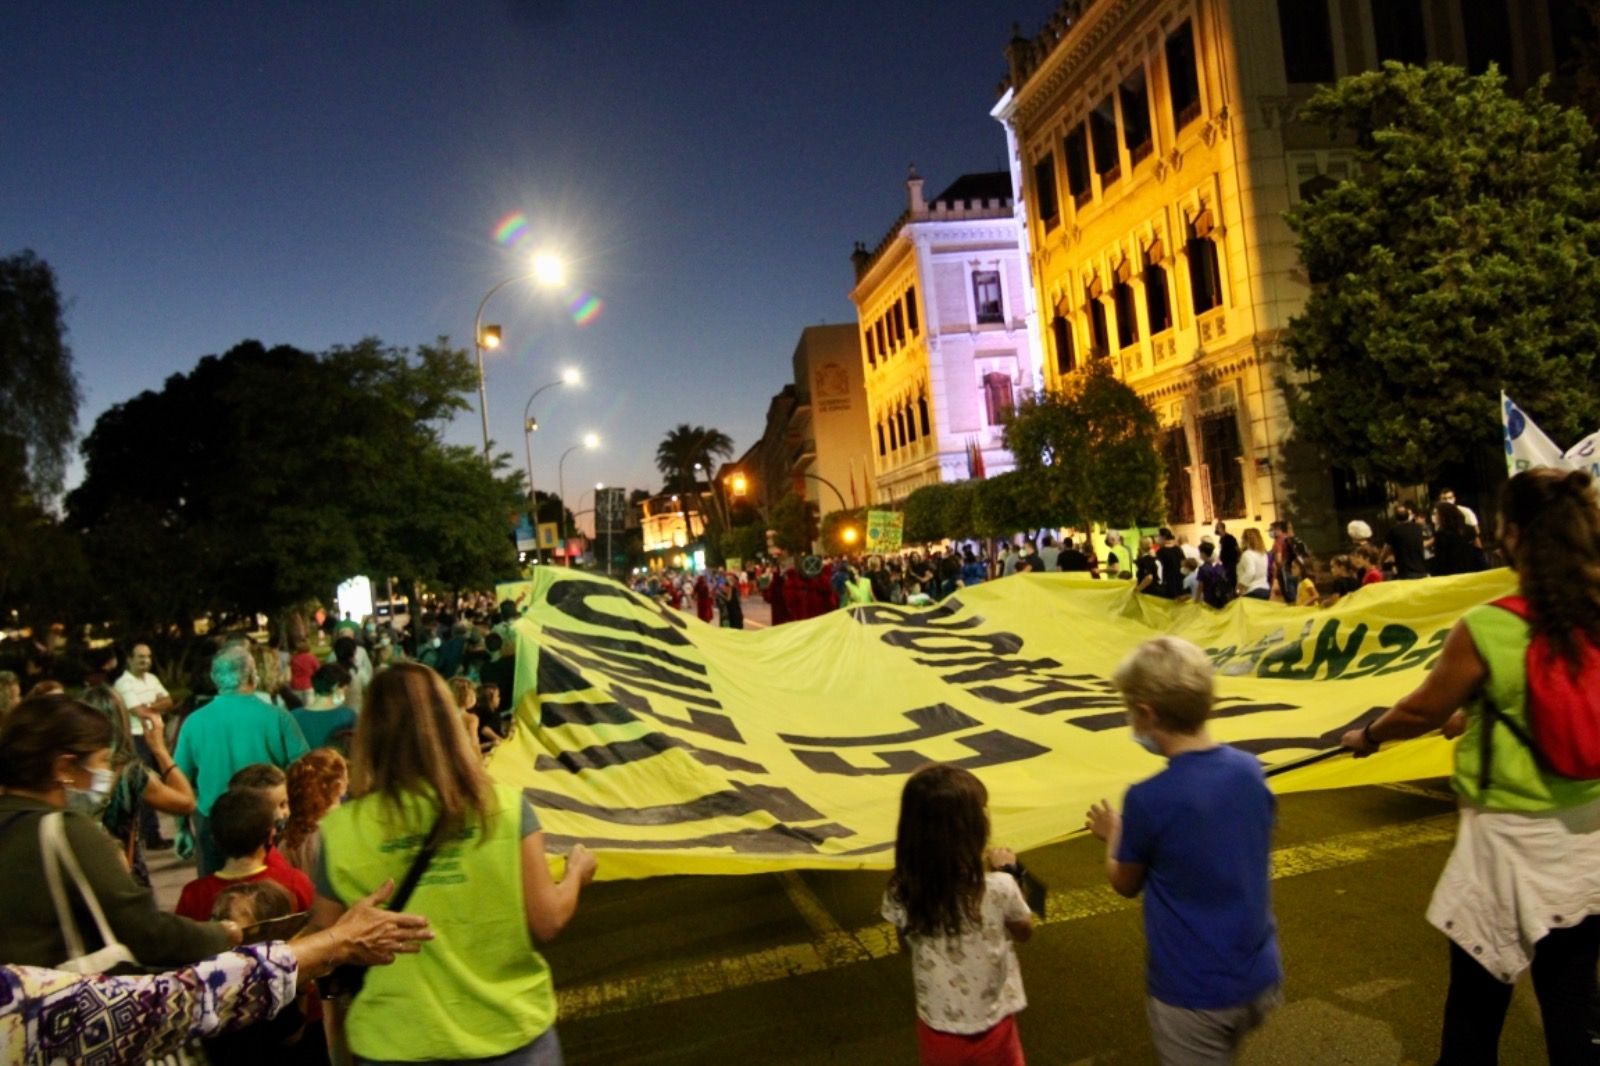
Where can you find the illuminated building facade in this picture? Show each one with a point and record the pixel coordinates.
(1154, 150)
(948, 335)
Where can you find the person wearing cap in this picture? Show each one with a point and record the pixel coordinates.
(1360, 534)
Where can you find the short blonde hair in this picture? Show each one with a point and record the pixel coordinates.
(1170, 676)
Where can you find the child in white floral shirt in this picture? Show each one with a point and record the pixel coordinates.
(959, 915)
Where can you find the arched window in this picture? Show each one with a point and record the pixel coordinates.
(1066, 354)
(922, 413)
(1127, 318)
(882, 448)
(1205, 268)
(1157, 304)
(997, 397)
(911, 423)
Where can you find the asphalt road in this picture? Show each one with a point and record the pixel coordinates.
(798, 969)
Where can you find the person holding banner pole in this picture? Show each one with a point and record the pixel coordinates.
(1521, 889)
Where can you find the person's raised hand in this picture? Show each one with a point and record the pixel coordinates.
(1455, 725)
(1101, 819)
(155, 729)
(371, 936)
(582, 864)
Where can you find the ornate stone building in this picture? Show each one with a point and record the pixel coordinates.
(948, 335)
(1154, 151)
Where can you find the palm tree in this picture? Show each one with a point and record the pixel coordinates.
(680, 451)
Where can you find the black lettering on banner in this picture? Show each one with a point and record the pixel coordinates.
(596, 643)
(641, 676)
(940, 617)
(1321, 742)
(556, 676)
(930, 642)
(572, 598)
(1424, 656)
(999, 670)
(1281, 662)
(648, 746)
(629, 667)
(1098, 722)
(993, 748)
(937, 720)
(770, 840)
(1395, 640)
(553, 714)
(712, 725)
(736, 802)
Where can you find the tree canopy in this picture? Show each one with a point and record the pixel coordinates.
(1088, 453)
(263, 477)
(1459, 261)
(38, 388)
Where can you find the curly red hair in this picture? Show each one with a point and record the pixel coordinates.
(316, 781)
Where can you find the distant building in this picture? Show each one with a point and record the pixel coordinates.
(1154, 150)
(668, 523)
(949, 341)
(816, 438)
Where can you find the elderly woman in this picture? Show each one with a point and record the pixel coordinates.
(231, 732)
(1519, 891)
(54, 1016)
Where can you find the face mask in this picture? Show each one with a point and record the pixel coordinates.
(279, 825)
(92, 800)
(1145, 742)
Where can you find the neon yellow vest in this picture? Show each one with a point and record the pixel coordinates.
(1516, 782)
(479, 988)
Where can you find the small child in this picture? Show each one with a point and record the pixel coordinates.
(274, 784)
(286, 1039)
(1199, 834)
(959, 915)
(242, 822)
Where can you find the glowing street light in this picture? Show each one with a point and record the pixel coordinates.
(569, 376)
(549, 271)
(590, 442)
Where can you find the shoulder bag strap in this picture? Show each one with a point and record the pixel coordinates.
(52, 843)
(419, 866)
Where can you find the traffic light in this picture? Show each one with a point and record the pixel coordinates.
(813, 523)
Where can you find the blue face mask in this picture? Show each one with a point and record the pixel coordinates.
(1147, 743)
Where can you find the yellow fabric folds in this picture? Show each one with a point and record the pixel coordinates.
(670, 746)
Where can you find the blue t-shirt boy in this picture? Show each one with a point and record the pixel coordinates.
(1202, 828)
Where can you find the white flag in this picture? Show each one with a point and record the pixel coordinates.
(1526, 444)
(1585, 455)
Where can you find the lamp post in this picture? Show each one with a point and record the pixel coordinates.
(590, 442)
(548, 271)
(570, 376)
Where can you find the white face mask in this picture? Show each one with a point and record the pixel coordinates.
(92, 800)
(1145, 741)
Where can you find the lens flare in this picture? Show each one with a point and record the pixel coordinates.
(586, 308)
(511, 229)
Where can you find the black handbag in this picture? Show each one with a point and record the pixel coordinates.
(347, 981)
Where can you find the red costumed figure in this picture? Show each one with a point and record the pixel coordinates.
(773, 594)
(704, 605)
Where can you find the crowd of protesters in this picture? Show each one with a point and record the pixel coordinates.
(299, 846)
(309, 805)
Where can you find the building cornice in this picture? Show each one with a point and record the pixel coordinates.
(1044, 65)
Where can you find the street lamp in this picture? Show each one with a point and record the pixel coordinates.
(569, 376)
(548, 271)
(590, 442)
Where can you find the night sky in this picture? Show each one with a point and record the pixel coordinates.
(311, 174)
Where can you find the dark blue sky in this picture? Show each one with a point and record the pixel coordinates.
(311, 174)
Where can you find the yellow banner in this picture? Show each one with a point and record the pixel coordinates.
(671, 746)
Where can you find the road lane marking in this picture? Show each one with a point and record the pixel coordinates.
(877, 941)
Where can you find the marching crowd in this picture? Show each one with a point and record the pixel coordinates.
(383, 861)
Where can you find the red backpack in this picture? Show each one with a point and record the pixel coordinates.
(1563, 705)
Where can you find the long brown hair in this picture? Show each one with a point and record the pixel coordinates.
(409, 740)
(938, 850)
(1557, 518)
(104, 699)
(315, 783)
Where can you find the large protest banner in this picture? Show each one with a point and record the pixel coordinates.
(671, 746)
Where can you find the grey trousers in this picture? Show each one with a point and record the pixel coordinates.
(1186, 1037)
